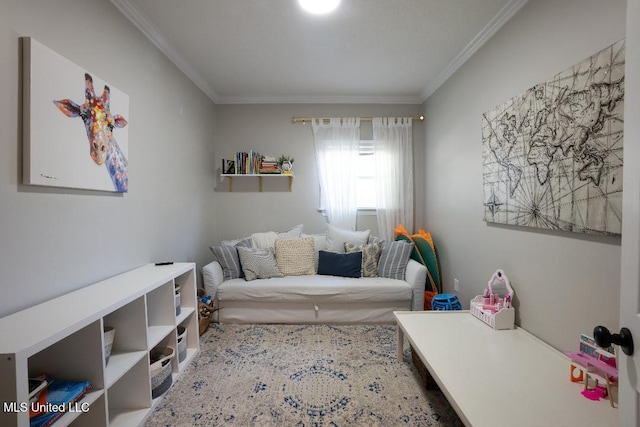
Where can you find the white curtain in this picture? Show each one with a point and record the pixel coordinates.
(336, 146)
(393, 148)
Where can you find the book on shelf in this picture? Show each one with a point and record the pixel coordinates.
(269, 165)
(251, 163)
(36, 386)
(247, 163)
(57, 398)
(228, 166)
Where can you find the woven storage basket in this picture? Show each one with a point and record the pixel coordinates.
(160, 358)
(182, 343)
(205, 312)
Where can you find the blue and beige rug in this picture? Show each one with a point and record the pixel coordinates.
(301, 375)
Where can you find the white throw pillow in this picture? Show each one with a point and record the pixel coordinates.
(337, 237)
(291, 233)
(264, 240)
(267, 239)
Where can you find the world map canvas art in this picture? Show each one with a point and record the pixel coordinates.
(552, 157)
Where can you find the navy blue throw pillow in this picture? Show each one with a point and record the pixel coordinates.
(343, 265)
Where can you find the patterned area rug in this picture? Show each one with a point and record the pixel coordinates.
(301, 375)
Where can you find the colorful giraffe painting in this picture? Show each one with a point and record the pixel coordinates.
(99, 124)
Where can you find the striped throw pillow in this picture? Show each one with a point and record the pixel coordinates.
(394, 258)
(227, 257)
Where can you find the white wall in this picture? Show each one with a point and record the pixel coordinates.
(53, 240)
(565, 283)
(268, 129)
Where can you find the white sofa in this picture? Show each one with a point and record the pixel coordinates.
(315, 298)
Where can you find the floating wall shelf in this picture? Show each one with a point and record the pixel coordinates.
(259, 176)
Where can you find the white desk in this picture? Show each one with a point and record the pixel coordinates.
(498, 378)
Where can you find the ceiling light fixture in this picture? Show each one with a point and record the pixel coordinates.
(319, 7)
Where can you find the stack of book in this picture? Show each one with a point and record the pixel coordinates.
(49, 399)
(269, 164)
(249, 163)
(245, 163)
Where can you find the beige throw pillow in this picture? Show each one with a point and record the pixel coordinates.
(295, 257)
(370, 256)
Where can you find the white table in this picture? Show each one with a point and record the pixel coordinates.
(498, 378)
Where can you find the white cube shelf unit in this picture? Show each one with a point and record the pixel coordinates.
(63, 337)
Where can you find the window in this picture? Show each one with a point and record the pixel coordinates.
(366, 180)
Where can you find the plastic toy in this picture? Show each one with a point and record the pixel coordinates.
(494, 307)
(597, 364)
(445, 302)
(500, 277)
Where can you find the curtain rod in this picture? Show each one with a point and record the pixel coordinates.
(304, 120)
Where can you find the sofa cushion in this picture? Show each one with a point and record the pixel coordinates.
(394, 258)
(227, 257)
(343, 265)
(316, 289)
(258, 263)
(370, 256)
(337, 237)
(295, 257)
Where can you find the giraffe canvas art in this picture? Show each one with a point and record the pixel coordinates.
(55, 148)
(99, 123)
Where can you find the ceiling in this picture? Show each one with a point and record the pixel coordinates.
(270, 51)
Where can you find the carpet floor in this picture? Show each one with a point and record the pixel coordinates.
(301, 375)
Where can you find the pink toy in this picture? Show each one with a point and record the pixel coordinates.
(494, 307)
(500, 277)
(493, 301)
(596, 393)
(600, 366)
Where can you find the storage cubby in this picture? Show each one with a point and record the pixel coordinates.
(129, 398)
(161, 316)
(77, 357)
(170, 340)
(95, 417)
(65, 339)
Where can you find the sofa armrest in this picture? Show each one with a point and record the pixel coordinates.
(212, 277)
(416, 276)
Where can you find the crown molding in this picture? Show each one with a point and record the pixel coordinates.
(503, 16)
(311, 99)
(130, 11)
